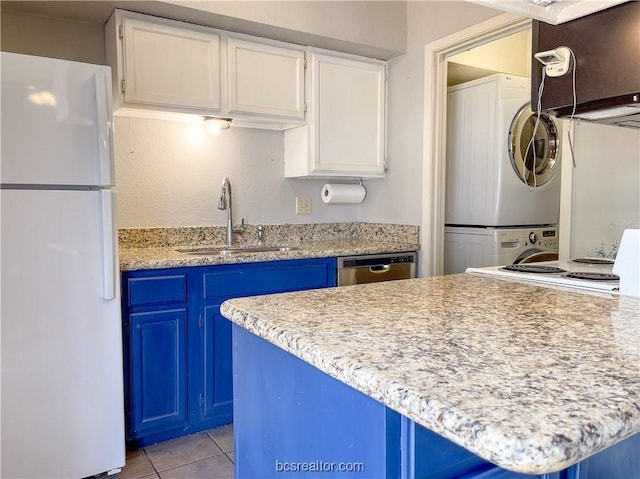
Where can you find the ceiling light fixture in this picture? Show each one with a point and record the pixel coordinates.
(215, 125)
(553, 12)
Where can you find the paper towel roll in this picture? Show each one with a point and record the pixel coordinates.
(338, 193)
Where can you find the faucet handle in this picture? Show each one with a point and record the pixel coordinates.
(239, 228)
(260, 234)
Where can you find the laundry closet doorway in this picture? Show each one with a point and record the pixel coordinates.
(437, 56)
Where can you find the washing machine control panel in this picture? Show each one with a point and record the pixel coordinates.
(550, 239)
(545, 238)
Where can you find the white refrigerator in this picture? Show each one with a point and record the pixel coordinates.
(62, 412)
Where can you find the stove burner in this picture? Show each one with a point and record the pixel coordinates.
(593, 276)
(592, 261)
(532, 268)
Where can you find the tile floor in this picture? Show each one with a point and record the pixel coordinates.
(205, 455)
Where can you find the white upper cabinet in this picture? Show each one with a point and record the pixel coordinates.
(265, 79)
(169, 69)
(346, 127)
(164, 65)
(331, 105)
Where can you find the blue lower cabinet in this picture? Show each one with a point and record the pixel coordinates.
(177, 346)
(289, 417)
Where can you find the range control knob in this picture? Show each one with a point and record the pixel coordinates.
(533, 238)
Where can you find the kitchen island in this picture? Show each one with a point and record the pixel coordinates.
(455, 373)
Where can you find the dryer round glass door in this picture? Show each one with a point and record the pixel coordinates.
(534, 146)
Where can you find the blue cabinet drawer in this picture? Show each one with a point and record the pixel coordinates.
(265, 278)
(151, 290)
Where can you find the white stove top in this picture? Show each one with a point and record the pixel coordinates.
(560, 279)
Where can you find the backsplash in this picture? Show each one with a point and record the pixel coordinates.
(606, 188)
(273, 234)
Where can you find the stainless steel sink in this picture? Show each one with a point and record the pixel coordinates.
(239, 249)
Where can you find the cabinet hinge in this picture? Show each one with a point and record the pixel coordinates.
(201, 321)
(121, 32)
(305, 62)
(122, 86)
(305, 106)
(201, 400)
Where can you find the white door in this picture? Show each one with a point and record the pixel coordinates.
(62, 386)
(170, 66)
(56, 122)
(265, 79)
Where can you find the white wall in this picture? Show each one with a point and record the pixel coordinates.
(371, 28)
(169, 173)
(397, 199)
(606, 188)
(49, 37)
(511, 54)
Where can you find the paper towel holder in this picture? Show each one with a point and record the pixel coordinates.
(361, 183)
(344, 192)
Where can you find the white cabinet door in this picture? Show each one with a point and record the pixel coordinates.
(169, 66)
(265, 79)
(346, 128)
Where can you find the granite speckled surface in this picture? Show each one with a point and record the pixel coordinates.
(531, 378)
(155, 248)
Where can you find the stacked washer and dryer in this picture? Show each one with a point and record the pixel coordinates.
(502, 177)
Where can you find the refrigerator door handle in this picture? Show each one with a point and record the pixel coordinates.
(105, 128)
(109, 245)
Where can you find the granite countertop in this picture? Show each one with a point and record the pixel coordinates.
(167, 257)
(533, 379)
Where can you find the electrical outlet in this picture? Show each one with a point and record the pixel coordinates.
(303, 205)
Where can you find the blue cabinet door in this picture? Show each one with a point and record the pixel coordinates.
(621, 461)
(157, 371)
(218, 379)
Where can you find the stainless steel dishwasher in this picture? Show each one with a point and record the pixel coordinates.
(376, 267)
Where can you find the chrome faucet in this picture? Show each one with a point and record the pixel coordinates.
(225, 204)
